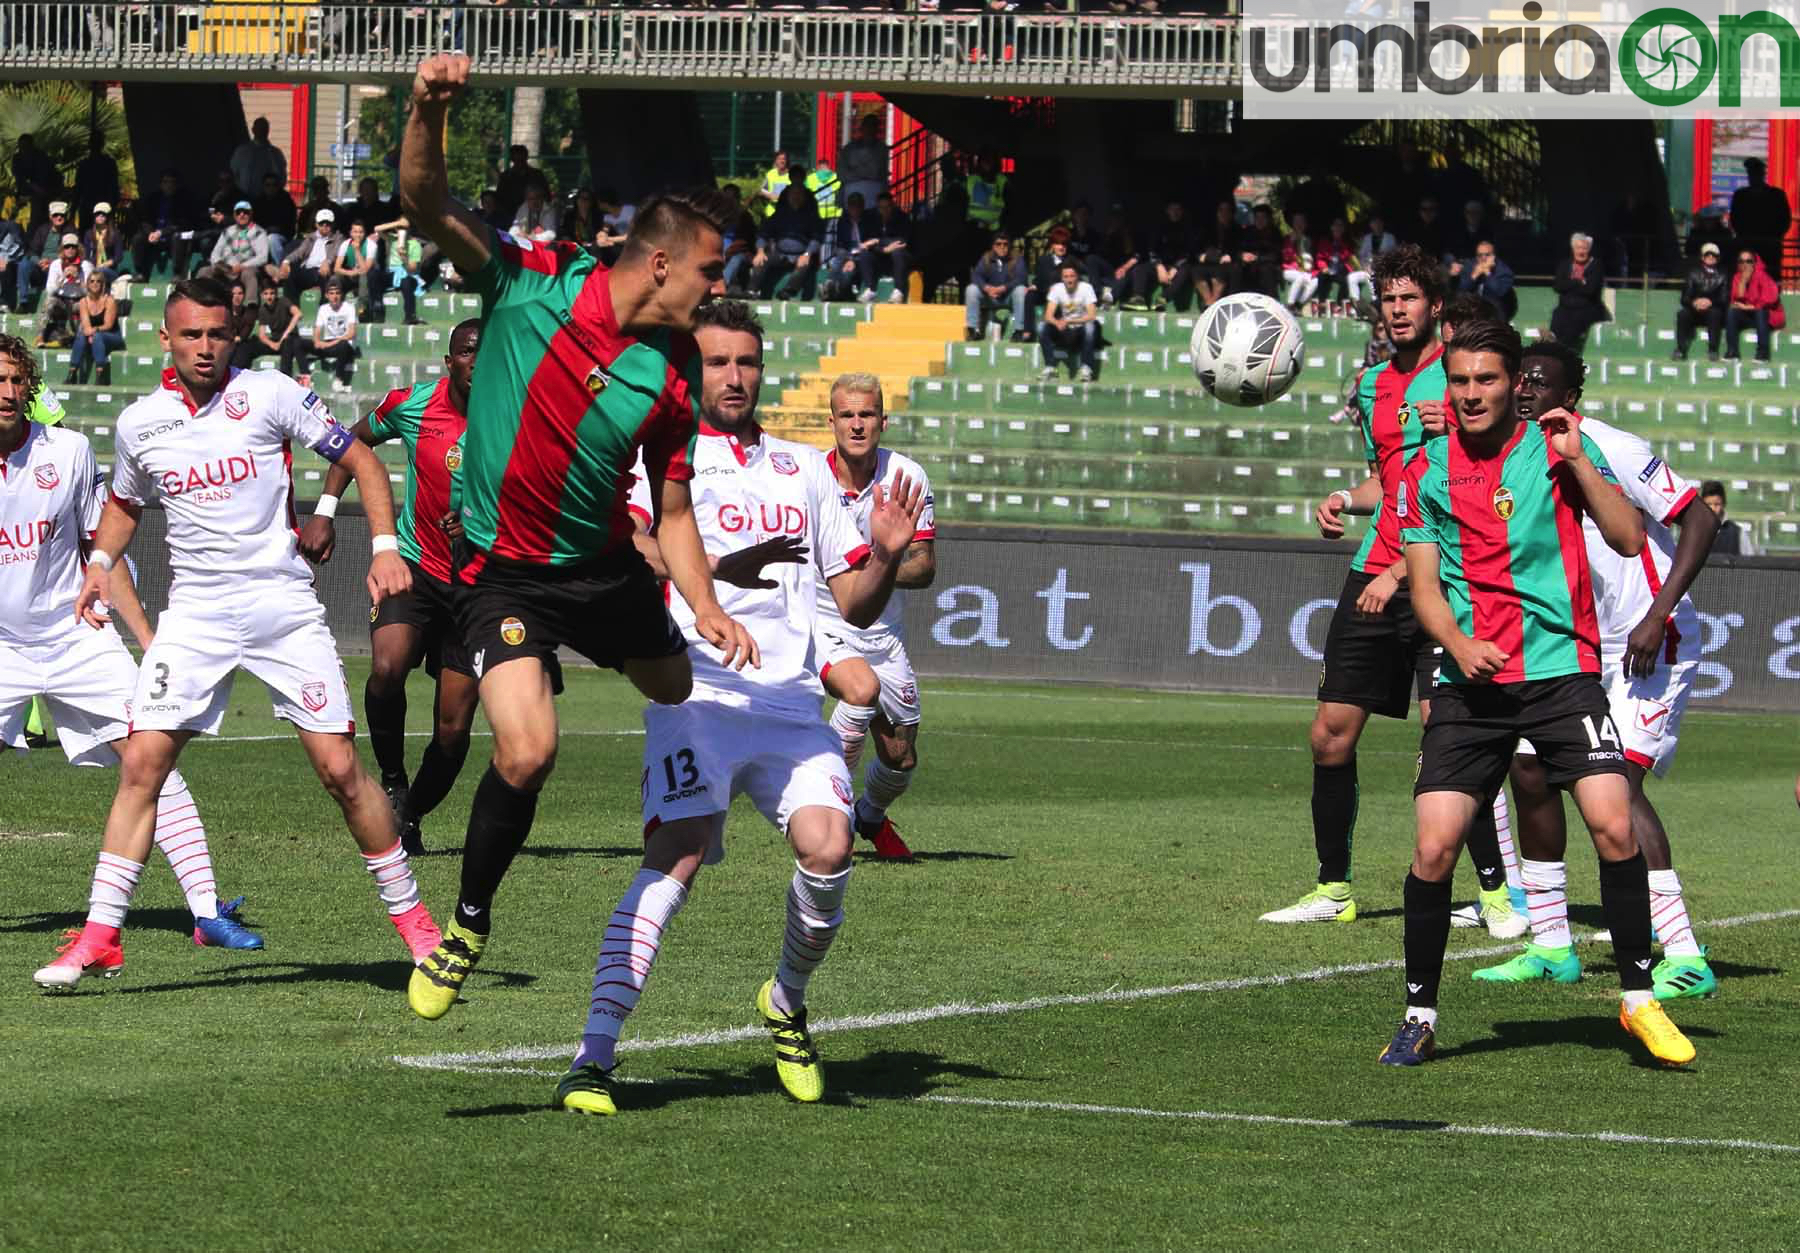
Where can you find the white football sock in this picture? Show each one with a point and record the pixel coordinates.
(627, 951)
(1509, 852)
(1669, 915)
(882, 786)
(1426, 1016)
(815, 911)
(1547, 901)
(115, 879)
(182, 838)
(851, 722)
(1636, 1000)
(393, 879)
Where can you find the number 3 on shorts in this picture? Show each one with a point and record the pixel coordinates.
(162, 681)
(1605, 732)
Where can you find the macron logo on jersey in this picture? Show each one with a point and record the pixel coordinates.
(334, 443)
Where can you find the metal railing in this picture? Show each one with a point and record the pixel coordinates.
(372, 42)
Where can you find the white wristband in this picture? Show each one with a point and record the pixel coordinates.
(385, 544)
(326, 508)
(1348, 499)
(103, 560)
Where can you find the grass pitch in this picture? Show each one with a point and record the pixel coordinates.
(1001, 1081)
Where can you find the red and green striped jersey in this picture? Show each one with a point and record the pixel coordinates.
(562, 400)
(1387, 400)
(427, 421)
(1511, 557)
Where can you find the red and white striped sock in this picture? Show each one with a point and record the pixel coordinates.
(851, 722)
(393, 879)
(182, 838)
(1669, 915)
(628, 949)
(115, 879)
(1547, 901)
(882, 786)
(815, 911)
(1509, 852)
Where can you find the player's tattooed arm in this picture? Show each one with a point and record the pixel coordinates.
(1479, 660)
(424, 181)
(1697, 525)
(918, 568)
(318, 538)
(118, 523)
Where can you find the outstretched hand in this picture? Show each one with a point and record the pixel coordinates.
(895, 518)
(744, 568)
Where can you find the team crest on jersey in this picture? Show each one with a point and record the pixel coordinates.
(374, 613)
(453, 458)
(512, 631)
(783, 463)
(312, 695)
(1503, 503)
(841, 788)
(909, 695)
(1404, 413)
(46, 477)
(237, 406)
(597, 380)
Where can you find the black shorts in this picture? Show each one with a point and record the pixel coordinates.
(1378, 662)
(430, 608)
(610, 610)
(1475, 727)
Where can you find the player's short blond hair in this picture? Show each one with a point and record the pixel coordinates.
(857, 383)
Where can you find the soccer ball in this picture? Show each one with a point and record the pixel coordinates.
(1246, 349)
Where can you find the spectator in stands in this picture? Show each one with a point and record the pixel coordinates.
(69, 273)
(318, 196)
(368, 208)
(1215, 254)
(1579, 283)
(97, 333)
(1462, 241)
(310, 259)
(1299, 267)
(775, 181)
(35, 177)
(849, 266)
(863, 162)
(1341, 277)
(1760, 216)
(101, 242)
(997, 281)
(616, 215)
(405, 270)
(491, 213)
(1259, 264)
(277, 320)
(1486, 276)
(1318, 197)
(1733, 539)
(1118, 246)
(1047, 273)
(357, 266)
(1754, 300)
(276, 212)
(1427, 229)
(985, 187)
(892, 252)
(333, 336)
(510, 187)
(537, 218)
(96, 179)
(243, 320)
(225, 193)
(1071, 324)
(825, 188)
(242, 252)
(1168, 262)
(1089, 250)
(43, 248)
(581, 224)
(14, 268)
(1703, 302)
(256, 159)
(739, 241)
(790, 244)
(1375, 241)
(166, 221)
(1708, 227)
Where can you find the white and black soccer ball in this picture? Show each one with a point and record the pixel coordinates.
(1246, 349)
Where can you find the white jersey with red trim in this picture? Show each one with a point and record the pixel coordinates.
(744, 494)
(224, 474)
(49, 503)
(1625, 587)
(890, 627)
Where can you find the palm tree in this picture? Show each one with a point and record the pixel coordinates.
(57, 116)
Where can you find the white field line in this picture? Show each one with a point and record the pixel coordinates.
(1345, 1124)
(503, 1061)
(36, 835)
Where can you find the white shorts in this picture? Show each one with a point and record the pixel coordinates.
(893, 670)
(276, 631)
(698, 755)
(85, 677)
(1646, 712)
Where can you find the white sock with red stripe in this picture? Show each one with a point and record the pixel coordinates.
(882, 786)
(115, 879)
(815, 911)
(1547, 901)
(394, 879)
(628, 949)
(1669, 915)
(182, 838)
(851, 722)
(1509, 852)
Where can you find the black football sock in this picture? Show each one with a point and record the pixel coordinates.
(437, 775)
(1625, 902)
(1334, 800)
(386, 713)
(1484, 847)
(1427, 932)
(499, 822)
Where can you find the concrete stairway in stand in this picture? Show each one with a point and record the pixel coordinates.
(897, 344)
